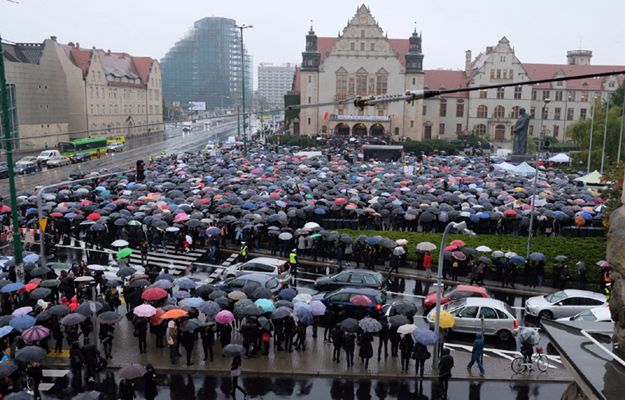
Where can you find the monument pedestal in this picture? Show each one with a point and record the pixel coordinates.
(520, 158)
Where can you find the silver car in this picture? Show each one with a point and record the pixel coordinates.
(564, 303)
(499, 318)
(251, 281)
(259, 265)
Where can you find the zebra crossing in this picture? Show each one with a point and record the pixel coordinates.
(175, 263)
(50, 376)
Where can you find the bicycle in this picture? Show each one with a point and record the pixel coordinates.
(519, 365)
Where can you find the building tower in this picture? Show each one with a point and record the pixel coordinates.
(414, 80)
(310, 85)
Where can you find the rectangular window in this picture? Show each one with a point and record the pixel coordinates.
(458, 128)
(492, 73)
(460, 109)
(583, 96)
(483, 93)
(518, 91)
(570, 114)
(582, 113)
(531, 130)
(352, 46)
(424, 109)
(545, 113)
(443, 108)
(340, 112)
(362, 46)
(427, 134)
(309, 100)
(571, 95)
(309, 79)
(533, 112)
(505, 74)
(441, 129)
(558, 95)
(545, 94)
(556, 130)
(411, 124)
(361, 84)
(500, 93)
(414, 81)
(341, 85)
(510, 74)
(498, 74)
(372, 46)
(308, 121)
(533, 95)
(381, 84)
(556, 113)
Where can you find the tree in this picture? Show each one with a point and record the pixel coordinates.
(579, 132)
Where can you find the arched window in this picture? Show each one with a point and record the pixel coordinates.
(381, 81)
(341, 83)
(351, 86)
(515, 112)
(482, 111)
(480, 129)
(361, 82)
(500, 112)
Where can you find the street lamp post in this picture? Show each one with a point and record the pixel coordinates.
(460, 227)
(535, 185)
(592, 127)
(605, 133)
(241, 27)
(620, 136)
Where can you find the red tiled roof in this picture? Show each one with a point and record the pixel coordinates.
(441, 79)
(544, 71)
(81, 58)
(324, 45)
(143, 66)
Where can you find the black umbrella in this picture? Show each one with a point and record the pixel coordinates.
(43, 316)
(215, 294)
(222, 301)
(109, 317)
(262, 293)
(50, 283)
(191, 325)
(283, 303)
(349, 325)
(72, 319)
(5, 319)
(30, 353)
(405, 309)
(125, 271)
(40, 293)
(398, 320)
(204, 290)
(92, 395)
(7, 368)
(139, 283)
(59, 310)
(281, 312)
(111, 283)
(19, 396)
(39, 271)
(131, 371)
(251, 310)
(85, 308)
(234, 350)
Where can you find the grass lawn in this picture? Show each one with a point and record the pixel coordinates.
(590, 250)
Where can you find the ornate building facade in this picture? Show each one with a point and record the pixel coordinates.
(360, 61)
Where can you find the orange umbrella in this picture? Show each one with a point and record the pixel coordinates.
(173, 314)
(156, 318)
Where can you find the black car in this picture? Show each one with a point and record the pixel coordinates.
(23, 167)
(80, 157)
(4, 170)
(351, 277)
(343, 303)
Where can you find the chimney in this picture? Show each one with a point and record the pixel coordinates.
(489, 49)
(71, 44)
(77, 45)
(53, 38)
(108, 52)
(467, 63)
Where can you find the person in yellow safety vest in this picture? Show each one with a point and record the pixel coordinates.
(243, 252)
(150, 158)
(607, 290)
(293, 264)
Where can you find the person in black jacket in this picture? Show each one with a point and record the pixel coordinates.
(349, 343)
(208, 340)
(405, 351)
(337, 342)
(57, 334)
(126, 389)
(445, 365)
(106, 335)
(383, 336)
(91, 357)
(366, 348)
(34, 371)
(76, 362)
(150, 389)
(141, 332)
(394, 338)
(420, 354)
(187, 340)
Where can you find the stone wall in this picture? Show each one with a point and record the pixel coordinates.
(616, 258)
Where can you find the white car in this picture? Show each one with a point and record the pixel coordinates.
(115, 147)
(46, 155)
(499, 318)
(597, 314)
(58, 161)
(259, 265)
(563, 303)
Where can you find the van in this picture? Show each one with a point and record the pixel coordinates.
(45, 155)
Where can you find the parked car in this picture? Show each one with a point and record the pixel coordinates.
(454, 293)
(351, 277)
(115, 147)
(261, 265)
(58, 161)
(251, 280)
(46, 155)
(4, 170)
(596, 314)
(81, 157)
(564, 303)
(26, 165)
(499, 318)
(340, 302)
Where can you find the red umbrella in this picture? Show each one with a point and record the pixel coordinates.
(30, 286)
(153, 293)
(85, 202)
(360, 300)
(509, 212)
(156, 318)
(451, 248)
(458, 243)
(4, 208)
(340, 201)
(94, 216)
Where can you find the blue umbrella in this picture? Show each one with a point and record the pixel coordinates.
(31, 211)
(265, 304)
(537, 257)
(182, 294)
(374, 240)
(320, 211)
(31, 258)
(22, 322)
(287, 294)
(186, 284)
(213, 231)
(304, 315)
(209, 307)
(424, 336)
(585, 215)
(163, 284)
(12, 287)
(248, 206)
(192, 302)
(519, 260)
(5, 330)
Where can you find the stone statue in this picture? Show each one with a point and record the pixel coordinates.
(519, 145)
(616, 258)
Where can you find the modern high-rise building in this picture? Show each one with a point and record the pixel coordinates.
(274, 81)
(205, 66)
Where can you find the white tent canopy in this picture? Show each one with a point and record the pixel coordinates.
(593, 178)
(524, 169)
(560, 158)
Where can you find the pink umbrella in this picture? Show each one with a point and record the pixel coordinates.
(451, 248)
(458, 255)
(181, 217)
(360, 300)
(224, 317)
(22, 311)
(144, 311)
(35, 333)
(340, 201)
(457, 243)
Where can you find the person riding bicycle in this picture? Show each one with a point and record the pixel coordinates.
(527, 350)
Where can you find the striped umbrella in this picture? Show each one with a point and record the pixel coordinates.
(35, 333)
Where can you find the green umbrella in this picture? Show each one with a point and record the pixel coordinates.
(123, 253)
(315, 236)
(134, 222)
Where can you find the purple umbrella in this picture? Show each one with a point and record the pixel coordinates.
(35, 333)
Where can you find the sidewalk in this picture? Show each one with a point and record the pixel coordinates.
(315, 361)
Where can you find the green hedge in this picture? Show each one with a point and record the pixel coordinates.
(589, 250)
(293, 140)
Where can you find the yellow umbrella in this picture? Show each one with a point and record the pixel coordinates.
(447, 319)
(519, 189)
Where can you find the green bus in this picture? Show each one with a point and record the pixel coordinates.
(93, 146)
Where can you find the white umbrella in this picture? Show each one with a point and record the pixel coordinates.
(401, 242)
(189, 239)
(172, 229)
(510, 254)
(96, 267)
(399, 251)
(497, 254)
(120, 243)
(426, 246)
(311, 225)
(302, 298)
(406, 329)
(285, 236)
(484, 249)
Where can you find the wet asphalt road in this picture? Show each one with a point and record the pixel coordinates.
(172, 140)
(183, 386)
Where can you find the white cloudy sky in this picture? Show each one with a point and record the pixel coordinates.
(540, 30)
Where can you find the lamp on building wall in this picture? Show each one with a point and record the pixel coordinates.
(241, 28)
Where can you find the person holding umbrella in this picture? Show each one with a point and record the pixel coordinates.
(477, 353)
(172, 341)
(366, 348)
(207, 334)
(141, 333)
(34, 372)
(57, 334)
(106, 335)
(150, 389)
(349, 344)
(405, 352)
(383, 336)
(187, 340)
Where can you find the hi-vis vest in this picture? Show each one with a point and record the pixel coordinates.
(244, 250)
(293, 258)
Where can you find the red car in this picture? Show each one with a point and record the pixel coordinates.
(454, 293)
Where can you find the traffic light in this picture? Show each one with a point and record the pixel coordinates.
(140, 170)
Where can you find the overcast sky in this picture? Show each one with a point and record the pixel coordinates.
(540, 30)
